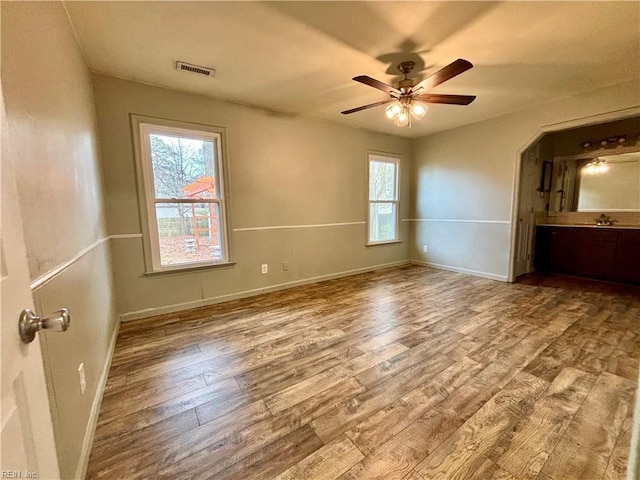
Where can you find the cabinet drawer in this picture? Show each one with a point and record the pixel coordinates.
(629, 236)
(594, 235)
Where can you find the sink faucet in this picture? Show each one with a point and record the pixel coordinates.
(604, 220)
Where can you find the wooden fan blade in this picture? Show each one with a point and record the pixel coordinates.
(371, 105)
(372, 82)
(448, 99)
(452, 70)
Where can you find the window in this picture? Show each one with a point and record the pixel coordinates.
(383, 199)
(183, 194)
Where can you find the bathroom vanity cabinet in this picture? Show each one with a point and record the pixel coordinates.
(607, 253)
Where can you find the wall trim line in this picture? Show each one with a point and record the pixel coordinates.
(454, 220)
(87, 443)
(51, 274)
(287, 227)
(466, 271)
(149, 312)
(125, 235)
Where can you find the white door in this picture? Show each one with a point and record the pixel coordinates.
(526, 221)
(28, 446)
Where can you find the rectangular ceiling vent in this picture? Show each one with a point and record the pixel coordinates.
(187, 67)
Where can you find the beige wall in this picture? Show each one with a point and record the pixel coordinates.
(52, 127)
(284, 170)
(462, 181)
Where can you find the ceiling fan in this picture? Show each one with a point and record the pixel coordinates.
(408, 99)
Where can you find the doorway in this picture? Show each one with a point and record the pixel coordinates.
(538, 189)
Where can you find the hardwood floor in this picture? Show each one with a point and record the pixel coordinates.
(407, 373)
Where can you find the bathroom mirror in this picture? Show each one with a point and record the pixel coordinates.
(604, 183)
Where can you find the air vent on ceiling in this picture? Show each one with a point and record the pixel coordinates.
(187, 67)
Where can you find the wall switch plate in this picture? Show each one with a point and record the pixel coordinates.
(265, 268)
(425, 248)
(285, 266)
(83, 378)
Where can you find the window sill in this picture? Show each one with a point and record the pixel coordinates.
(188, 269)
(390, 242)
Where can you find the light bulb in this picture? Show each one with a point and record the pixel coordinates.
(418, 109)
(393, 110)
(402, 120)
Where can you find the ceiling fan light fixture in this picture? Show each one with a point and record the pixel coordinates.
(408, 99)
(418, 110)
(394, 110)
(403, 118)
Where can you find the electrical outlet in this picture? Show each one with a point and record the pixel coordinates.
(285, 266)
(425, 248)
(265, 268)
(83, 378)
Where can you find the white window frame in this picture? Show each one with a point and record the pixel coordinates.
(395, 160)
(143, 127)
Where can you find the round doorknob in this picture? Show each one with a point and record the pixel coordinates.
(30, 324)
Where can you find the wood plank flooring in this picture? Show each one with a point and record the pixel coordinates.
(406, 373)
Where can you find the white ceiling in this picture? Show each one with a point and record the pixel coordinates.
(300, 57)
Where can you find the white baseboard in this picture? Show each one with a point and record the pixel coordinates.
(83, 462)
(475, 273)
(149, 312)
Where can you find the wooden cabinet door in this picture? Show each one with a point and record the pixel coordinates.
(561, 246)
(628, 258)
(595, 253)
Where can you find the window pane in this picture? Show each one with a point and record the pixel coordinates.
(183, 167)
(188, 232)
(382, 181)
(382, 222)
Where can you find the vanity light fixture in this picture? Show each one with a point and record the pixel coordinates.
(605, 142)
